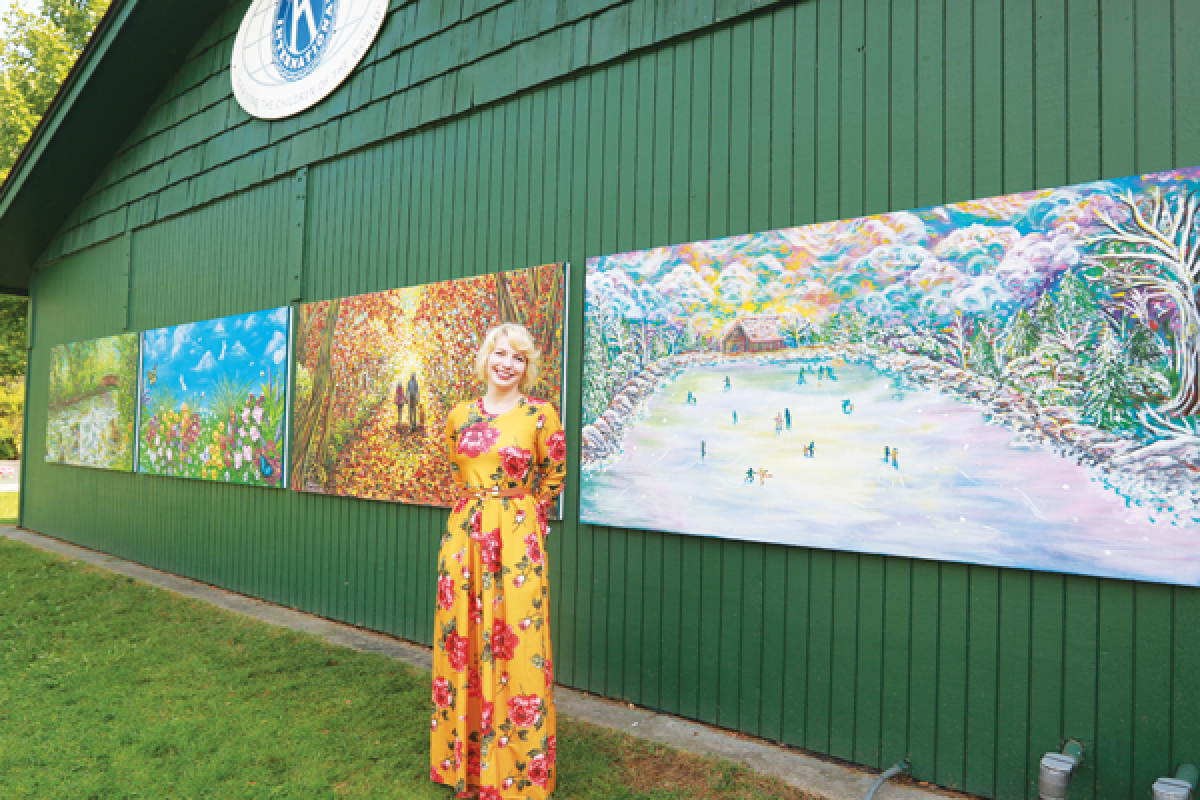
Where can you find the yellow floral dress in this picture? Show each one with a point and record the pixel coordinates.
(493, 728)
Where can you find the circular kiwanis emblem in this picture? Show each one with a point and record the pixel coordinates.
(302, 29)
(291, 54)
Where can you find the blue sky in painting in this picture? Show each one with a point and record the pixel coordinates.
(189, 360)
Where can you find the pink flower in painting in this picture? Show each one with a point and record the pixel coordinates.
(539, 770)
(476, 609)
(477, 440)
(504, 640)
(556, 446)
(525, 710)
(473, 682)
(456, 651)
(442, 696)
(552, 749)
(549, 670)
(485, 719)
(489, 793)
(533, 549)
(515, 461)
(461, 504)
(446, 592)
(476, 524)
(491, 550)
(519, 581)
(542, 509)
(458, 754)
(434, 775)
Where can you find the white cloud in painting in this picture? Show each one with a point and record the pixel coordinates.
(279, 355)
(238, 350)
(980, 295)
(180, 337)
(223, 348)
(900, 228)
(249, 321)
(736, 284)
(684, 285)
(155, 343)
(218, 328)
(207, 362)
(890, 260)
(278, 317)
(182, 384)
(277, 343)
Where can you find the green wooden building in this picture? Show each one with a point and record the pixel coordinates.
(484, 135)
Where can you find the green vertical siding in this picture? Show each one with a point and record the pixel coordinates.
(500, 135)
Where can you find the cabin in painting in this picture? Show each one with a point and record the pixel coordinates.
(754, 334)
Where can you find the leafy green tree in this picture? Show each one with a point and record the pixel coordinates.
(37, 50)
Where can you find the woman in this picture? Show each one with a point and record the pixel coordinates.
(493, 726)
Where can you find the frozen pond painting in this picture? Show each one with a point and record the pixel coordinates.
(1010, 382)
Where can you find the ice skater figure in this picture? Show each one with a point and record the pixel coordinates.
(749, 475)
(847, 407)
(887, 454)
(702, 449)
(689, 398)
(728, 385)
(763, 475)
(810, 450)
(778, 423)
(896, 457)
(787, 418)
(800, 378)
(735, 418)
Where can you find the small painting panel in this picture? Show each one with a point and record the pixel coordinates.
(215, 399)
(1012, 381)
(376, 375)
(93, 403)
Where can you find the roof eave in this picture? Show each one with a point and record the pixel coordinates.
(136, 48)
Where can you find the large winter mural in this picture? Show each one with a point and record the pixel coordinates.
(1012, 381)
(376, 375)
(214, 399)
(93, 402)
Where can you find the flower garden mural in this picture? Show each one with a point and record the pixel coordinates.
(376, 375)
(1012, 381)
(214, 399)
(93, 403)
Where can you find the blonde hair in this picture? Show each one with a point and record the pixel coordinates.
(520, 341)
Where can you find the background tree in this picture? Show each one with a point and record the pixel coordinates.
(37, 49)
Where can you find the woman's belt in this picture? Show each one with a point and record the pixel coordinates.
(495, 491)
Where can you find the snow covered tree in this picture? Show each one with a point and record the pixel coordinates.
(1022, 336)
(1107, 400)
(1154, 248)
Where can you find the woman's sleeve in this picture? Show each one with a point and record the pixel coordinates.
(451, 435)
(550, 455)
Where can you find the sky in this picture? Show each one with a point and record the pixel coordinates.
(189, 360)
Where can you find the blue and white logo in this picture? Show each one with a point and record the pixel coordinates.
(302, 33)
(291, 54)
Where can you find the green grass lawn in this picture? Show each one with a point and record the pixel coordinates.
(8, 507)
(113, 688)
